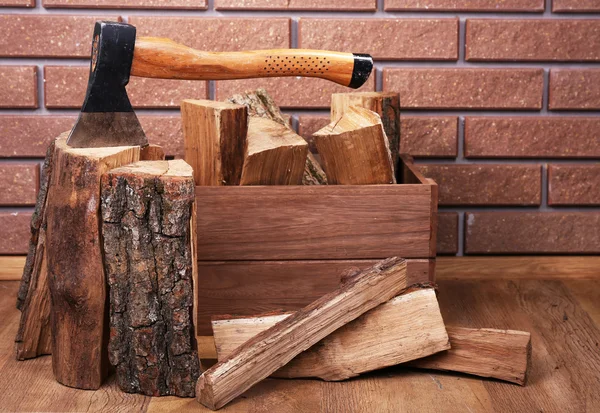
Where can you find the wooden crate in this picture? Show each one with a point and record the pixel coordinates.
(264, 248)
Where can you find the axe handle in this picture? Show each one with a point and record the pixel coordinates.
(166, 59)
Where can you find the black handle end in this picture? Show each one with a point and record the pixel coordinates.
(363, 65)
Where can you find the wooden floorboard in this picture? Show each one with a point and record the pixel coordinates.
(562, 315)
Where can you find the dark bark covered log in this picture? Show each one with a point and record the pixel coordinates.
(261, 105)
(37, 219)
(147, 211)
(75, 268)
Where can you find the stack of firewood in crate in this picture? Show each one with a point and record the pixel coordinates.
(111, 277)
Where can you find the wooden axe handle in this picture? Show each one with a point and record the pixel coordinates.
(166, 59)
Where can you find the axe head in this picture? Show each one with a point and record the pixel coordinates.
(107, 118)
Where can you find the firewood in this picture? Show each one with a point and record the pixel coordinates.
(146, 214)
(152, 152)
(500, 354)
(385, 104)
(34, 336)
(75, 270)
(215, 140)
(407, 327)
(261, 105)
(354, 149)
(275, 155)
(273, 348)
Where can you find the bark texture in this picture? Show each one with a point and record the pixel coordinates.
(261, 105)
(147, 210)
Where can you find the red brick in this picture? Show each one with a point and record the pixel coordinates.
(532, 137)
(48, 35)
(323, 5)
(532, 233)
(575, 6)
(466, 5)
(391, 39)
(486, 184)
(14, 235)
(422, 88)
(533, 40)
(447, 236)
(574, 185)
(429, 136)
(18, 87)
(17, 3)
(127, 4)
(19, 183)
(291, 92)
(65, 87)
(574, 89)
(218, 34)
(28, 136)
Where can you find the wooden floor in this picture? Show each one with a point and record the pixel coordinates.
(562, 314)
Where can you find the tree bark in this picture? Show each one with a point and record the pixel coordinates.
(261, 105)
(407, 327)
(75, 269)
(215, 140)
(354, 149)
(276, 155)
(385, 104)
(147, 212)
(273, 348)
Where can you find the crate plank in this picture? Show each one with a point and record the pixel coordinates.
(254, 287)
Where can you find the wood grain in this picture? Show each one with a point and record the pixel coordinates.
(407, 327)
(166, 59)
(271, 349)
(75, 268)
(486, 352)
(11, 267)
(355, 150)
(275, 154)
(214, 135)
(314, 222)
(255, 287)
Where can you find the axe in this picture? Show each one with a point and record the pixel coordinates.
(107, 118)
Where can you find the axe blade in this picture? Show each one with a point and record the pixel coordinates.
(107, 118)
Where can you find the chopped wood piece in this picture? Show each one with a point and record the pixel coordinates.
(75, 269)
(354, 149)
(146, 213)
(407, 327)
(34, 335)
(273, 348)
(261, 105)
(275, 154)
(215, 140)
(37, 218)
(385, 104)
(152, 153)
(486, 352)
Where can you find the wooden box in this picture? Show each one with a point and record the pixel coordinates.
(264, 248)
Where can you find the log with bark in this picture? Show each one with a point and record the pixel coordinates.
(273, 348)
(385, 104)
(407, 327)
(75, 269)
(486, 352)
(276, 155)
(261, 105)
(354, 149)
(34, 334)
(215, 140)
(147, 212)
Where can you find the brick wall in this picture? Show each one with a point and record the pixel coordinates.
(501, 98)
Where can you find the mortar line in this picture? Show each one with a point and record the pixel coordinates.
(461, 234)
